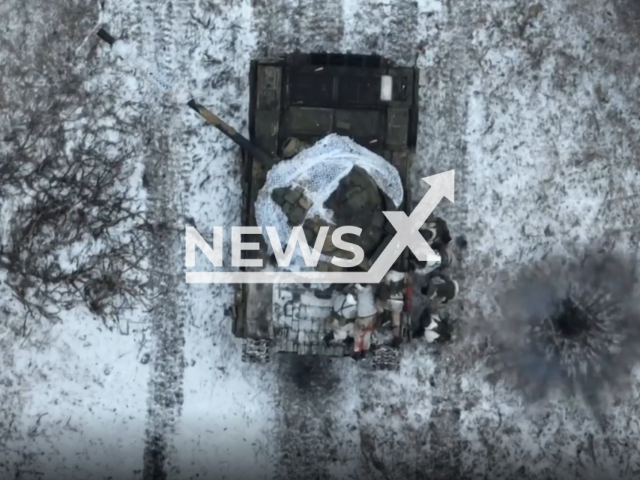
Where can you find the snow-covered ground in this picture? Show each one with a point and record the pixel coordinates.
(535, 107)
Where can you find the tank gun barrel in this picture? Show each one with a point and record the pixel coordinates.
(244, 143)
(210, 117)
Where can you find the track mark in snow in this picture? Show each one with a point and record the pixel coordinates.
(309, 26)
(372, 26)
(321, 25)
(442, 138)
(272, 23)
(312, 439)
(165, 388)
(167, 318)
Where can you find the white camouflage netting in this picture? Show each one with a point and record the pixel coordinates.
(318, 171)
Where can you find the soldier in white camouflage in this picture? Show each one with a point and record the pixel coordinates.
(391, 297)
(340, 324)
(433, 328)
(365, 323)
(440, 290)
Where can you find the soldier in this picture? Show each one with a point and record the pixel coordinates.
(391, 298)
(365, 322)
(433, 328)
(340, 323)
(436, 233)
(340, 330)
(425, 268)
(441, 289)
(446, 257)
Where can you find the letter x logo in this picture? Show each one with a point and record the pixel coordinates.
(408, 228)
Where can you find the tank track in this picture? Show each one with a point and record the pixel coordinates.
(386, 357)
(256, 351)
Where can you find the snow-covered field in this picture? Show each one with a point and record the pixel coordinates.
(535, 105)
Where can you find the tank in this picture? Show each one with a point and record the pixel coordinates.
(296, 100)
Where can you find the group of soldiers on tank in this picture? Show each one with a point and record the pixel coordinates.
(359, 310)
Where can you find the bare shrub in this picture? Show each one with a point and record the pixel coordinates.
(75, 230)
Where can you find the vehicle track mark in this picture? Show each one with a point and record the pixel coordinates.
(310, 25)
(389, 19)
(162, 171)
(311, 439)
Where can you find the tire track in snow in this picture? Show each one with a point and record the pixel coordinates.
(162, 173)
(233, 439)
(442, 142)
(321, 25)
(314, 442)
(273, 24)
(283, 26)
(387, 28)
